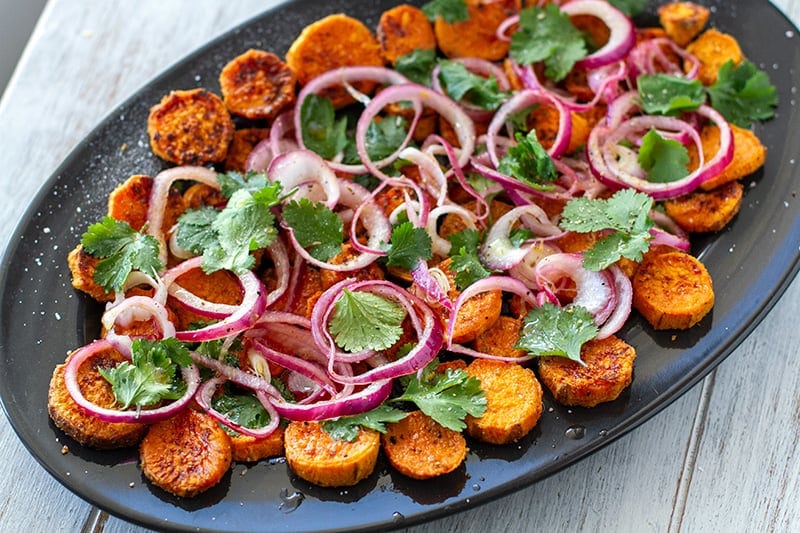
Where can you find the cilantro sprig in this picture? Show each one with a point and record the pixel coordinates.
(226, 237)
(151, 374)
(408, 245)
(664, 160)
(121, 249)
(626, 214)
(417, 66)
(669, 95)
(546, 34)
(529, 162)
(346, 427)
(560, 331)
(461, 84)
(447, 397)
(316, 227)
(362, 321)
(743, 94)
(465, 259)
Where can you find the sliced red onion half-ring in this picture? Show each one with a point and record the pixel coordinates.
(253, 304)
(602, 149)
(419, 96)
(492, 283)
(206, 392)
(594, 291)
(432, 283)
(667, 232)
(294, 363)
(498, 252)
(159, 195)
(440, 245)
(519, 102)
(622, 36)
(190, 300)
(309, 173)
(134, 309)
(362, 401)
(190, 376)
(622, 309)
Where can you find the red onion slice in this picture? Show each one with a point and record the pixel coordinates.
(622, 309)
(498, 252)
(362, 401)
(300, 169)
(190, 376)
(206, 392)
(621, 39)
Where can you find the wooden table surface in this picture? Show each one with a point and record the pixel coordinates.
(721, 458)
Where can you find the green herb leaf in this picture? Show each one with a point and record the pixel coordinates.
(195, 231)
(233, 181)
(669, 95)
(362, 320)
(465, 258)
(451, 11)
(322, 132)
(346, 427)
(417, 66)
(626, 213)
(121, 249)
(408, 245)
(316, 227)
(664, 160)
(447, 397)
(529, 162)
(243, 409)
(547, 35)
(553, 330)
(629, 7)
(385, 136)
(743, 94)
(150, 376)
(461, 84)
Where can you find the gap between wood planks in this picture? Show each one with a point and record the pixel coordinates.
(690, 459)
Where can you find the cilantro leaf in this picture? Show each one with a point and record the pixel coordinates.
(743, 94)
(626, 213)
(529, 162)
(417, 66)
(385, 136)
(346, 427)
(362, 320)
(408, 245)
(233, 181)
(321, 131)
(546, 34)
(461, 84)
(465, 259)
(664, 160)
(451, 11)
(629, 7)
(244, 409)
(553, 330)
(150, 375)
(120, 249)
(447, 397)
(669, 95)
(226, 237)
(316, 227)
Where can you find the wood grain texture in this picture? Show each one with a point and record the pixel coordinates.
(721, 458)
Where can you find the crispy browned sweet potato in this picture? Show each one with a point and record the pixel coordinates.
(77, 423)
(500, 338)
(403, 29)
(748, 154)
(329, 43)
(318, 458)
(421, 448)
(706, 211)
(190, 128)
(608, 371)
(713, 49)
(476, 36)
(257, 85)
(247, 449)
(683, 20)
(513, 401)
(221, 286)
(186, 454)
(82, 267)
(672, 290)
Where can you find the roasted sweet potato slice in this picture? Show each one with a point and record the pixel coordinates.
(247, 449)
(257, 85)
(608, 371)
(476, 36)
(421, 448)
(190, 128)
(186, 454)
(683, 21)
(318, 458)
(672, 290)
(244, 140)
(402, 30)
(706, 211)
(713, 49)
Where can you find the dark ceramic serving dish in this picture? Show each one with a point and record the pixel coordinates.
(752, 263)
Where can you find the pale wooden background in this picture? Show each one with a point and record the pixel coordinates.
(721, 458)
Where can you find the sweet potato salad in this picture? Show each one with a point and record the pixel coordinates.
(399, 239)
